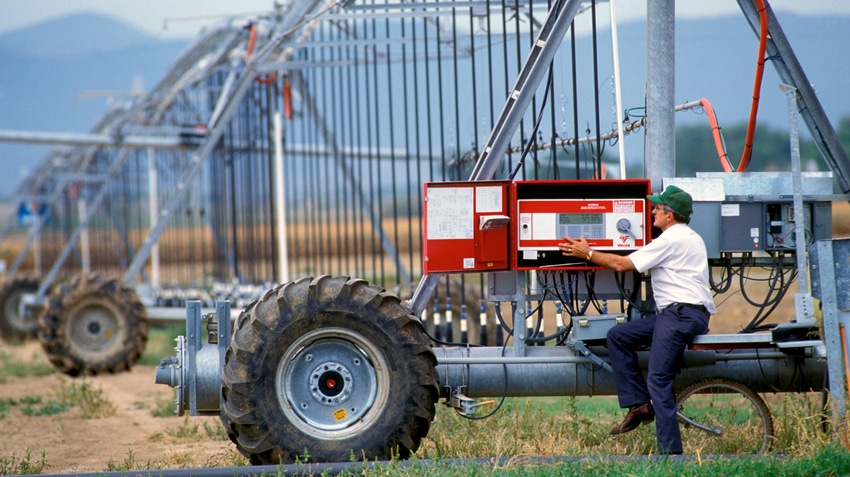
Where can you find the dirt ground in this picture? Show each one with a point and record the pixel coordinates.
(130, 439)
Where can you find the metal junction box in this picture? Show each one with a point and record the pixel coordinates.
(594, 328)
(753, 211)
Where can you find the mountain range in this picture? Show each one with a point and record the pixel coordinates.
(54, 75)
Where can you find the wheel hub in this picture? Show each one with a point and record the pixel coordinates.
(329, 384)
(93, 328)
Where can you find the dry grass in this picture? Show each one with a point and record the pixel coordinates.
(579, 426)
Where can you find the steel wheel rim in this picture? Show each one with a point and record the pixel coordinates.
(763, 439)
(11, 310)
(332, 383)
(94, 327)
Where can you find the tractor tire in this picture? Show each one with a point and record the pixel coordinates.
(325, 368)
(13, 326)
(93, 325)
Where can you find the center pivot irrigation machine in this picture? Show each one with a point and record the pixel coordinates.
(370, 93)
(334, 365)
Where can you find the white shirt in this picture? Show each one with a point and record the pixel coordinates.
(678, 264)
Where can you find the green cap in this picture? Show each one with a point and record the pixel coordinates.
(675, 198)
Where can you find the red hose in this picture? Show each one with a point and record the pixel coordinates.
(751, 125)
(287, 98)
(715, 132)
(252, 41)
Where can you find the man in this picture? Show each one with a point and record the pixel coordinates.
(678, 265)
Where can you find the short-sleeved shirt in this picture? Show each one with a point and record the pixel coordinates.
(678, 264)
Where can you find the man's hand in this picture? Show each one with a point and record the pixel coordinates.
(578, 248)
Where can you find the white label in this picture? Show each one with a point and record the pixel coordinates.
(468, 263)
(488, 199)
(730, 210)
(450, 213)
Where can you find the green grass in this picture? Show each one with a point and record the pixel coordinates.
(12, 367)
(24, 465)
(88, 397)
(827, 461)
(161, 343)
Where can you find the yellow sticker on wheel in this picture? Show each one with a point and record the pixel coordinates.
(340, 414)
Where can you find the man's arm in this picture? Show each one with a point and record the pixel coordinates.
(580, 248)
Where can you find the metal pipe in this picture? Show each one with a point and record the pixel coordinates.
(660, 91)
(617, 89)
(280, 202)
(484, 372)
(83, 139)
(153, 207)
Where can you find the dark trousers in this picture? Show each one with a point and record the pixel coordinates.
(667, 333)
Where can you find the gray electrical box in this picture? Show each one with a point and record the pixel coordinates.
(754, 212)
(741, 226)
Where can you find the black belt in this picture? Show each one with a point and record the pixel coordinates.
(691, 305)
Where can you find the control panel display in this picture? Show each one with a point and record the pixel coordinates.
(613, 224)
(581, 225)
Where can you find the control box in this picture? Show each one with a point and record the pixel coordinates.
(607, 224)
(613, 215)
(466, 226)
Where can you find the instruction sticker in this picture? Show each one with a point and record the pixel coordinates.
(730, 210)
(340, 414)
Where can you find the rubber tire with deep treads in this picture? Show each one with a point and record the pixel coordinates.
(325, 368)
(14, 327)
(93, 325)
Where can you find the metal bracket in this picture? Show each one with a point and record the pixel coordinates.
(582, 348)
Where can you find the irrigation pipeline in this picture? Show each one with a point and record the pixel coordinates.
(359, 468)
(629, 127)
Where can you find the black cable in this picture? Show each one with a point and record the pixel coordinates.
(770, 302)
(504, 325)
(632, 299)
(725, 281)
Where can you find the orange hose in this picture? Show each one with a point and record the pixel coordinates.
(287, 98)
(715, 132)
(751, 125)
(844, 352)
(252, 41)
(268, 79)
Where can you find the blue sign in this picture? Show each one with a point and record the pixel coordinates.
(28, 210)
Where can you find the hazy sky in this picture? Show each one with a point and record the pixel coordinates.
(185, 17)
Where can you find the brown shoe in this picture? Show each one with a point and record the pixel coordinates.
(640, 414)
